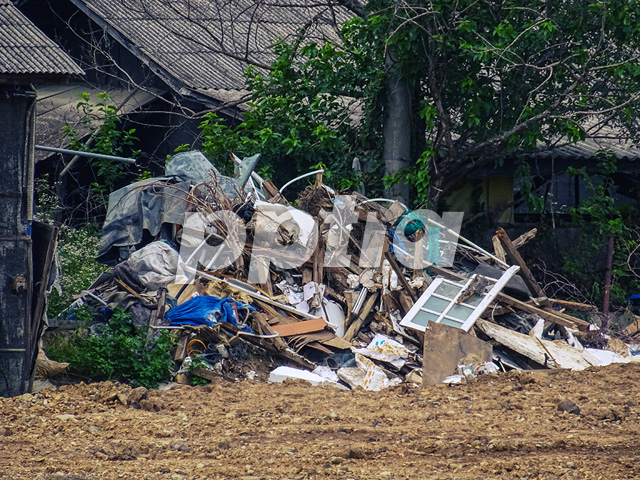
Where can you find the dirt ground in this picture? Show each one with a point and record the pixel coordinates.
(504, 426)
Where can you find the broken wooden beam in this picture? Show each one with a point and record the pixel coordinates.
(583, 307)
(498, 251)
(354, 327)
(266, 329)
(272, 194)
(396, 268)
(515, 257)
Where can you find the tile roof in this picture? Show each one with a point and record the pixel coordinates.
(25, 50)
(206, 45)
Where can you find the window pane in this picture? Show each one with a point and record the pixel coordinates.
(448, 290)
(474, 300)
(451, 323)
(436, 304)
(423, 318)
(461, 312)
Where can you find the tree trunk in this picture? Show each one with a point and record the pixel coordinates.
(397, 131)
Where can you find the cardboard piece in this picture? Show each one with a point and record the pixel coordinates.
(445, 347)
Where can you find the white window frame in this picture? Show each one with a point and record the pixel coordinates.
(487, 298)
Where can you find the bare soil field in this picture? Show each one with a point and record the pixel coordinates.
(507, 426)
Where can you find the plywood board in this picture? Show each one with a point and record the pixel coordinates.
(444, 347)
(300, 328)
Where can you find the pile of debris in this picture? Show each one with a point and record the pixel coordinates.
(340, 290)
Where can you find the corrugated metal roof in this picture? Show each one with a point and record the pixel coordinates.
(600, 135)
(206, 45)
(25, 50)
(588, 149)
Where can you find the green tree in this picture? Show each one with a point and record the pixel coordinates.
(457, 85)
(103, 121)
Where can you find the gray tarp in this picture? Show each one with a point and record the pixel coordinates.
(143, 207)
(138, 208)
(191, 167)
(137, 212)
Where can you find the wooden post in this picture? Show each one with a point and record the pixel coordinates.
(607, 282)
(396, 268)
(498, 251)
(418, 255)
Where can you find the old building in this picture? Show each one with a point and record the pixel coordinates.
(27, 57)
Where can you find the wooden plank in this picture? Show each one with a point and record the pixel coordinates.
(554, 302)
(272, 194)
(525, 237)
(418, 257)
(562, 355)
(307, 275)
(515, 257)
(318, 261)
(405, 302)
(547, 313)
(300, 328)
(266, 329)
(45, 238)
(158, 314)
(209, 374)
(354, 328)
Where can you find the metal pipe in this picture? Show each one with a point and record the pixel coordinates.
(390, 200)
(86, 154)
(300, 178)
(360, 301)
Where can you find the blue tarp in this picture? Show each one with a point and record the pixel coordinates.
(206, 310)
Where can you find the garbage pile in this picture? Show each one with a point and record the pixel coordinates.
(339, 290)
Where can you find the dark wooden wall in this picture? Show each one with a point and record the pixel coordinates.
(17, 121)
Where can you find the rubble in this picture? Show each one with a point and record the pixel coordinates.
(359, 310)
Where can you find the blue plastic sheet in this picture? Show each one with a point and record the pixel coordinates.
(206, 310)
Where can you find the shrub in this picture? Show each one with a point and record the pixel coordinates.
(118, 350)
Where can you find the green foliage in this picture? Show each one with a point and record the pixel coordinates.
(600, 218)
(77, 249)
(301, 112)
(118, 351)
(102, 121)
(487, 80)
(198, 362)
(46, 199)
